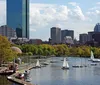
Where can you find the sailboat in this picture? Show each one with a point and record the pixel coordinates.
(38, 64)
(92, 56)
(65, 64)
(93, 59)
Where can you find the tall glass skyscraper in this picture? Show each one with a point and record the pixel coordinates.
(18, 17)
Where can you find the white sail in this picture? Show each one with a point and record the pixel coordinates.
(93, 59)
(92, 55)
(38, 63)
(65, 63)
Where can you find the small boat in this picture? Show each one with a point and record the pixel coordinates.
(93, 59)
(53, 61)
(92, 56)
(37, 64)
(45, 63)
(96, 60)
(65, 64)
(85, 66)
(77, 66)
(93, 64)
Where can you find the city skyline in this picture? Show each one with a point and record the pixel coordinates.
(80, 16)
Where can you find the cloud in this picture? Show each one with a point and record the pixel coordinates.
(98, 3)
(72, 3)
(77, 13)
(97, 11)
(94, 8)
(44, 14)
(94, 11)
(2, 12)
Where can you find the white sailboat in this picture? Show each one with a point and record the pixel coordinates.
(65, 64)
(93, 59)
(92, 55)
(38, 64)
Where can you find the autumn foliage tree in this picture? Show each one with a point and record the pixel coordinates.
(6, 53)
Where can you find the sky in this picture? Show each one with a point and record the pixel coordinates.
(78, 15)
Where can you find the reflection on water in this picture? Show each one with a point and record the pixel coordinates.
(54, 75)
(65, 74)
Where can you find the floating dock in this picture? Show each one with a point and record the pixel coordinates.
(20, 81)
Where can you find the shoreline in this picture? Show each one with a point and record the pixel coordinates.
(19, 81)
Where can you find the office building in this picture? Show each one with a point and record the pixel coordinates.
(97, 27)
(90, 34)
(7, 31)
(96, 36)
(83, 38)
(65, 33)
(18, 17)
(55, 35)
(19, 41)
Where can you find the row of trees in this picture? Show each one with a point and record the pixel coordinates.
(7, 54)
(59, 50)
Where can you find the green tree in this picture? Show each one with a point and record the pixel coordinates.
(6, 53)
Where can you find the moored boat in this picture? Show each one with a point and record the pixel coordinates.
(65, 64)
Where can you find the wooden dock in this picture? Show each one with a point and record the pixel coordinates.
(19, 81)
(21, 70)
(2, 69)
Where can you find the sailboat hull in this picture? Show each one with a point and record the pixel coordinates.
(37, 67)
(96, 60)
(90, 60)
(65, 68)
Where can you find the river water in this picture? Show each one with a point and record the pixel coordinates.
(53, 74)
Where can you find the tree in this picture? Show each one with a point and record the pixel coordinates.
(61, 50)
(79, 51)
(6, 53)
